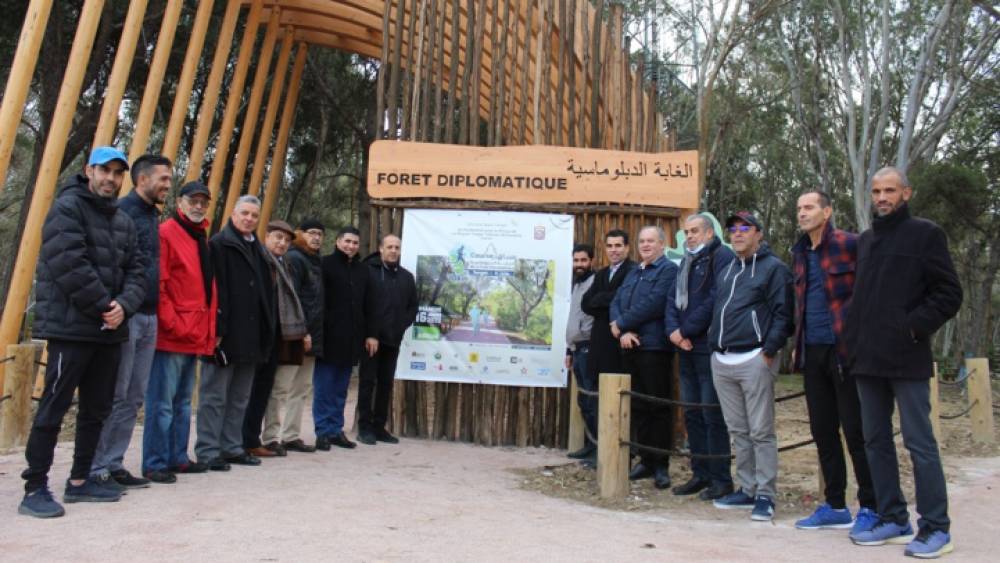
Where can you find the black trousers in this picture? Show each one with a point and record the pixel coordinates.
(260, 394)
(375, 379)
(878, 397)
(653, 424)
(93, 368)
(832, 402)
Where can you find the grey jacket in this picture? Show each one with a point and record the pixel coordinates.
(579, 325)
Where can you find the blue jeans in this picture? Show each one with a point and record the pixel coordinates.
(706, 428)
(585, 380)
(168, 411)
(130, 390)
(330, 382)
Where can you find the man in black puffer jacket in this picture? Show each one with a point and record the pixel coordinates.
(396, 309)
(90, 280)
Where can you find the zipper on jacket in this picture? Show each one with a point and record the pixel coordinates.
(732, 290)
(756, 326)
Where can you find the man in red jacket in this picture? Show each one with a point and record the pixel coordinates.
(186, 329)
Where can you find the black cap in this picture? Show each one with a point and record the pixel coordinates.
(311, 223)
(195, 188)
(746, 217)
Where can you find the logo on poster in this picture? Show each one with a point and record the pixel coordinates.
(418, 366)
(539, 232)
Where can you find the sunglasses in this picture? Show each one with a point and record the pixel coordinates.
(739, 228)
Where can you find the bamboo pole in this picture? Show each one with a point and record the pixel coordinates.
(48, 173)
(438, 79)
(154, 82)
(382, 68)
(16, 420)
(108, 121)
(210, 100)
(980, 399)
(276, 178)
(253, 112)
(417, 71)
(19, 81)
(271, 113)
(182, 95)
(428, 83)
(393, 95)
(614, 411)
(233, 104)
(536, 97)
(449, 133)
(408, 75)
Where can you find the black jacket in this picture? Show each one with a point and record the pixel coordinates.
(605, 352)
(146, 217)
(906, 288)
(694, 321)
(753, 305)
(395, 300)
(247, 317)
(348, 306)
(89, 257)
(306, 268)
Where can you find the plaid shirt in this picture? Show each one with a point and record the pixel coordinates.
(838, 256)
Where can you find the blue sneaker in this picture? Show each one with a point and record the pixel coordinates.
(763, 509)
(930, 544)
(864, 521)
(826, 517)
(40, 504)
(884, 532)
(734, 500)
(90, 491)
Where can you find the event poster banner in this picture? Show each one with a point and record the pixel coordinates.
(493, 290)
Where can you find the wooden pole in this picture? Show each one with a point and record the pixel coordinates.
(277, 175)
(614, 412)
(154, 81)
(108, 121)
(182, 95)
(577, 436)
(16, 420)
(271, 113)
(253, 111)
(981, 399)
(210, 100)
(233, 104)
(19, 80)
(48, 173)
(935, 404)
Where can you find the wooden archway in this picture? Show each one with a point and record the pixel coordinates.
(539, 71)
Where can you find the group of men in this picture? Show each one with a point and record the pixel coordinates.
(861, 309)
(131, 306)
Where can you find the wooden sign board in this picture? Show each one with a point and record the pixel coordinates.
(532, 174)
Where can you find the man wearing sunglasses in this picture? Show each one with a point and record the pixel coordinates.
(751, 320)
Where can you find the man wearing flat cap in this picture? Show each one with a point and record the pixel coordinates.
(751, 321)
(289, 343)
(293, 383)
(185, 331)
(90, 281)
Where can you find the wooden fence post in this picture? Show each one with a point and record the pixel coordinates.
(577, 437)
(18, 385)
(936, 405)
(613, 427)
(981, 399)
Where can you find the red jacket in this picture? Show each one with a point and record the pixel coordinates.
(186, 324)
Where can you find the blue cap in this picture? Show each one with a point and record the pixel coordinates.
(104, 155)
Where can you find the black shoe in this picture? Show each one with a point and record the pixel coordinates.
(716, 491)
(129, 481)
(90, 491)
(323, 443)
(382, 435)
(243, 459)
(366, 437)
(108, 482)
(341, 440)
(218, 464)
(191, 467)
(160, 476)
(583, 452)
(640, 471)
(691, 487)
(298, 445)
(277, 448)
(589, 462)
(661, 478)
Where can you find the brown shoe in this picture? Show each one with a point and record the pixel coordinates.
(298, 445)
(261, 452)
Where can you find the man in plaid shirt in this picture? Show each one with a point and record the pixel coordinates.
(824, 262)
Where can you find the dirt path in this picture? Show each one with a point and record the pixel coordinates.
(424, 501)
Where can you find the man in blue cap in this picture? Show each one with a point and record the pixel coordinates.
(90, 280)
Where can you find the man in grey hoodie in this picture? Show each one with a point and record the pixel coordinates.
(751, 321)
